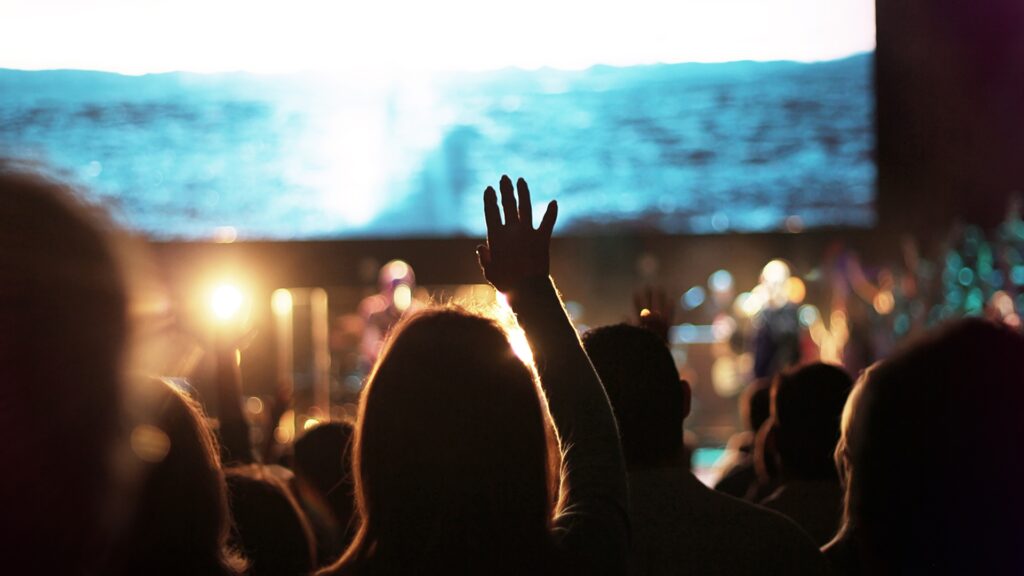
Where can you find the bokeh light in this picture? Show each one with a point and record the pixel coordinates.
(226, 301)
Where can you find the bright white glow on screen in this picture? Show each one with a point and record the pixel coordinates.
(388, 35)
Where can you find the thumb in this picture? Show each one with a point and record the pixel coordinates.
(483, 255)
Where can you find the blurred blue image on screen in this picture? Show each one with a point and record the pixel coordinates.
(757, 143)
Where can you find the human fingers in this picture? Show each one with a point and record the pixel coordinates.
(508, 201)
(547, 223)
(491, 213)
(525, 203)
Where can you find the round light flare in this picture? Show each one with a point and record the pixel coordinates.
(402, 297)
(149, 443)
(795, 289)
(226, 302)
(254, 405)
(725, 378)
(720, 281)
(396, 270)
(775, 272)
(884, 302)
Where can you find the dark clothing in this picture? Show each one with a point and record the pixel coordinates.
(681, 526)
(815, 505)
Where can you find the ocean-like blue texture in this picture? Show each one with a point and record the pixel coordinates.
(674, 148)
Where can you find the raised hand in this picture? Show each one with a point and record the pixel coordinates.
(514, 250)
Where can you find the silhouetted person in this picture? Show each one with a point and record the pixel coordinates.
(270, 528)
(323, 480)
(740, 478)
(679, 525)
(397, 283)
(931, 446)
(181, 522)
(807, 404)
(63, 333)
(452, 469)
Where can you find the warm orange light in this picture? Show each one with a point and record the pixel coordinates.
(281, 302)
(402, 297)
(796, 291)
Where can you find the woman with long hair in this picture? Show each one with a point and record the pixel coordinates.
(451, 455)
(930, 456)
(180, 520)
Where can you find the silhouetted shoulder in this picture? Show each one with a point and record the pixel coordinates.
(677, 521)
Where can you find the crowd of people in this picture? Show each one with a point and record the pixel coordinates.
(466, 459)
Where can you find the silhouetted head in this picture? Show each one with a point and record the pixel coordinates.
(324, 482)
(181, 521)
(807, 405)
(63, 329)
(322, 456)
(649, 400)
(756, 404)
(450, 457)
(270, 528)
(931, 448)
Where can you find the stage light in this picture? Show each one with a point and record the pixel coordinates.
(795, 289)
(884, 302)
(694, 297)
(720, 281)
(225, 301)
(965, 276)
(775, 272)
(281, 302)
(398, 270)
(808, 315)
(254, 405)
(402, 297)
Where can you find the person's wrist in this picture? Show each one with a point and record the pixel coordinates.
(516, 290)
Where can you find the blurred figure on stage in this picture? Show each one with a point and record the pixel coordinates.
(777, 340)
(397, 283)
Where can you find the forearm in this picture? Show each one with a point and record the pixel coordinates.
(234, 428)
(595, 507)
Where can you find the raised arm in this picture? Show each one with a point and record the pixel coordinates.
(234, 428)
(593, 524)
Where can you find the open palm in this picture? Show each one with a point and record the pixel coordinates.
(515, 250)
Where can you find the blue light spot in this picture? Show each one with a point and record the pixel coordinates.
(954, 261)
(720, 281)
(975, 301)
(902, 324)
(954, 297)
(1017, 275)
(808, 315)
(693, 298)
(965, 276)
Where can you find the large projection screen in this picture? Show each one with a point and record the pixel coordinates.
(680, 118)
